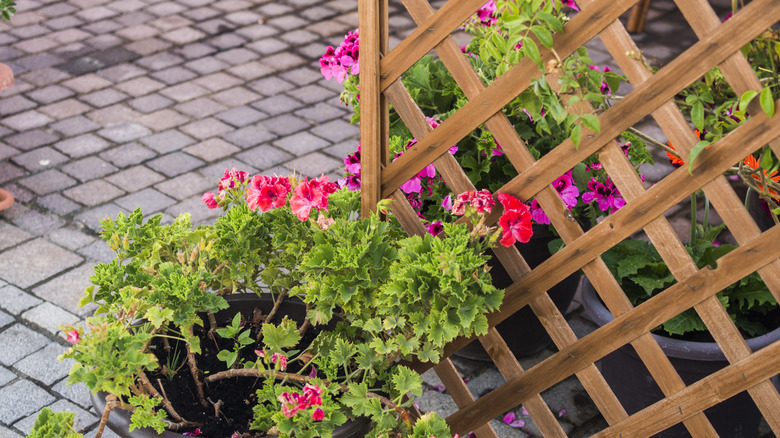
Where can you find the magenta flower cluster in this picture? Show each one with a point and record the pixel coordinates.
(294, 402)
(342, 61)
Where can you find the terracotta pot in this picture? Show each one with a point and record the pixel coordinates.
(119, 419)
(6, 199)
(635, 388)
(523, 332)
(6, 76)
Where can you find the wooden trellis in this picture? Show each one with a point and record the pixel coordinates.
(652, 94)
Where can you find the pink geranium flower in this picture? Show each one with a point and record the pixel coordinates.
(481, 201)
(435, 227)
(568, 192)
(281, 359)
(73, 336)
(267, 192)
(605, 194)
(210, 199)
(318, 415)
(311, 194)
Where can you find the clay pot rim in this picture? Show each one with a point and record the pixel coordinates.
(6, 199)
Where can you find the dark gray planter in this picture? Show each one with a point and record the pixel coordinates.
(635, 388)
(119, 420)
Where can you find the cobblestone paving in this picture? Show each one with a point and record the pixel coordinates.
(127, 103)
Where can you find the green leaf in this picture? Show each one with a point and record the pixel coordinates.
(229, 357)
(281, 337)
(87, 298)
(576, 135)
(767, 102)
(697, 115)
(554, 22)
(158, 316)
(746, 98)
(544, 35)
(407, 381)
(695, 151)
(531, 50)
(591, 122)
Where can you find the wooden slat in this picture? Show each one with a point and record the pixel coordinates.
(623, 329)
(370, 105)
(701, 395)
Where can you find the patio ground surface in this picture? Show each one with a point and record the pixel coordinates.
(127, 103)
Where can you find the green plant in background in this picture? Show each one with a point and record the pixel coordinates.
(54, 425)
(544, 115)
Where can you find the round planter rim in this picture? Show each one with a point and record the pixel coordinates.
(693, 350)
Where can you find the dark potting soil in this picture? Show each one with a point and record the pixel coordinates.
(237, 394)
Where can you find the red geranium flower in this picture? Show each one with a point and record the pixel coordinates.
(267, 192)
(516, 226)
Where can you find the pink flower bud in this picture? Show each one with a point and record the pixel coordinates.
(318, 415)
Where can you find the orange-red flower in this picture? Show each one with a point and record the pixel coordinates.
(751, 162)
(675, 160)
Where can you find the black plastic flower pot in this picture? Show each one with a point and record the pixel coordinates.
(633, 385)
(523, 332)
(246, 304)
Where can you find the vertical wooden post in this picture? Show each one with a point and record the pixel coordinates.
(370, 104)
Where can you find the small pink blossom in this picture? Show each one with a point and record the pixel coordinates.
(281, 359)
(447, 203)
(318, 415)
(562, 412)
(210, 199)
(511, 419)
(435, 228)
(267, 192)
(313, 372)
(487, 13)
(605, 194)
(73, 336)
(481, 201)
(195, 432)
(324, 222)
(260, 353)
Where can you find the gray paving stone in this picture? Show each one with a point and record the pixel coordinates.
(15, 300)
(285, 124)
(336, 130)
(184, 92)
(16, 104)
(47, 181)
(88, 168)
(300, 143)
(320, 113)
(5, 319)
(77, 393)
(211, 149)
(433, 401)
(43, 365)
(99, 252)
(195, 50)
(235, 96)
(163, 119)
(67, 289)
(200, 108)
(82, 145)
(8, 171)
(27, 120)
(128, 155)
(8, 433)
(49, 94)
(124, 133)
(150, 201)
(342, 149)
(264, 157)
(240, 116)
(206, 65)
(7, 151)
(219, 81)
(185, 186)
(268, 46)
(135, 178)
(250, 70)
(58, 204)
(21, 399)
(313, 165)
(35, 261)
(206, 128)
(571, 397)
(174, 75)
(103, 98)
(93, 192)
(226, 41)
(32, 139)
(18, 342)
(6, 376)
(249, 136)
(175, 164)
(485, 382)
(11, 235)
(160, 61)
(81, 421)
(67, 108)
(74, 126)
(237, 56)
(278, 105)
(151, 102)
(70, 238)
(270, 86)
(168, 141)
(36, 223)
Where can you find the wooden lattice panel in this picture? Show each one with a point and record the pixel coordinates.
(651, 95)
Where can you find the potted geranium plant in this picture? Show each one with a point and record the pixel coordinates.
(286, 317)
(502, 34)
